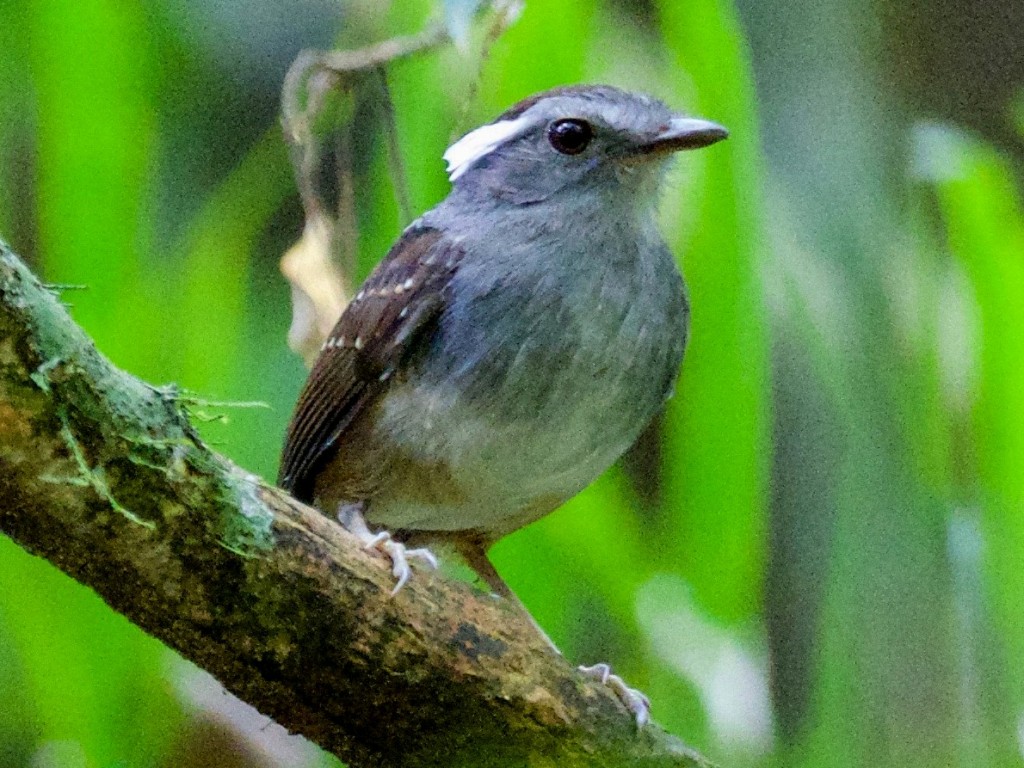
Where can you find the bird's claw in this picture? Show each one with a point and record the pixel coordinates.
(634, 700)
(400, 557)
(350, 515)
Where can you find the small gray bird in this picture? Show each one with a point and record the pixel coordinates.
(513, 343)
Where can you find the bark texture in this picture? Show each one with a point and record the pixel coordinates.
(102, 475)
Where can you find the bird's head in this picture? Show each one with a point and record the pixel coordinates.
(575, 140)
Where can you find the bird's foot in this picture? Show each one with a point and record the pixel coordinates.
(400, 557)
(351, 517)
(633, 699)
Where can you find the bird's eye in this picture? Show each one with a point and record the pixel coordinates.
(570, 137)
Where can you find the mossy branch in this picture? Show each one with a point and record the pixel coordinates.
(102, 475)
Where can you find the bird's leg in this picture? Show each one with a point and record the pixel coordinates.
(475, 555)
(350, 515)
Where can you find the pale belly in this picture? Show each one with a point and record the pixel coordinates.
(497, 475)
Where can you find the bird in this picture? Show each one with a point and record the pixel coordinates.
(512, 344)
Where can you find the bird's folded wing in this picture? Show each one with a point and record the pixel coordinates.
(376, 334)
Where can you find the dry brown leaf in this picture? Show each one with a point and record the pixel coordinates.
(319, 290)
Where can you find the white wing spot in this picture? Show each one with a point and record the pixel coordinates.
(358, 342)
(408, 284)
(359, 296)
(404, 312)
(398, 289)
(461, 155)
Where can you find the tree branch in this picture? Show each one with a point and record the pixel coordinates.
(103, 476)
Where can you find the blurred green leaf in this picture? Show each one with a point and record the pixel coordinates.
(981, 208)
(91, 678)
(92, 75)
(213, 309)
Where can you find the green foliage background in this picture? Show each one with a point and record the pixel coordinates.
(828, 571)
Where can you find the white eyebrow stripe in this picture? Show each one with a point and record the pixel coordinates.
(476, 144)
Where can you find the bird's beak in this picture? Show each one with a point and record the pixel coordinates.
(685, 133)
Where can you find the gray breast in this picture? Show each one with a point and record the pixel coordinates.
(566, 368)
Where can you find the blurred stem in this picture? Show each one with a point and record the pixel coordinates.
(345, 63)
(395, 166)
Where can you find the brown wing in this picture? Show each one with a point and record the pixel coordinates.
(373, 338)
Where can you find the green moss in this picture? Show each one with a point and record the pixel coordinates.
(246, 524)
(95, 476)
